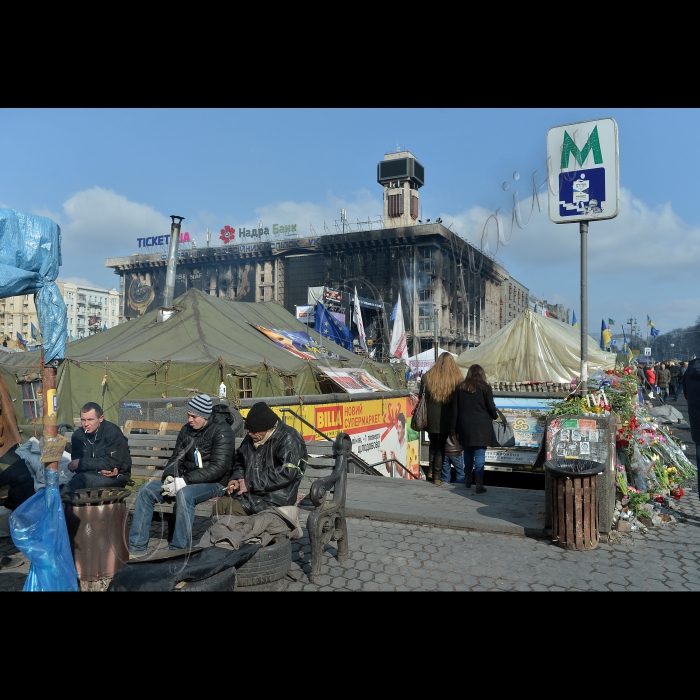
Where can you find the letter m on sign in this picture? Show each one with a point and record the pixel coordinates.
(569, 147)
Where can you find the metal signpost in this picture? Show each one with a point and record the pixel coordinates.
(584, 185)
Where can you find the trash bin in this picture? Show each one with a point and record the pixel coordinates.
(98, 531)
(574, 504)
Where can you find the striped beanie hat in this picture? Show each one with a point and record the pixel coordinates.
(201, 406)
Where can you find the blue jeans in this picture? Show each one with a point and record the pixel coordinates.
(474, 457)
(456, 461)
(185, 501)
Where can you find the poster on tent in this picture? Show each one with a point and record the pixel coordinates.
(355, 381)
(378, 428)
(297, 343)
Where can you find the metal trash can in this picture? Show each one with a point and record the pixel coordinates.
(98, 531)
(574, 504)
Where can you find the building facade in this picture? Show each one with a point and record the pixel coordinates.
(89, 309)
(17, 315)
(514, 300)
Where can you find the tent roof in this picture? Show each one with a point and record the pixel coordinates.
(428, 355)
(535, 348)
(203, 329)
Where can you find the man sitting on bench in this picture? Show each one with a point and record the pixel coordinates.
(267, 468)
(202, 456)
(100, 452)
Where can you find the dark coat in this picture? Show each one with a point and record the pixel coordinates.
(106, 449)
(691, 391)
(272, 472)
(216, 444)
(472, 416)
(663, 378)
(439, 414)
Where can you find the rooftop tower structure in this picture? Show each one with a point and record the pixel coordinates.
(401, 175)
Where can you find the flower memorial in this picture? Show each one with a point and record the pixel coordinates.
(650, 464)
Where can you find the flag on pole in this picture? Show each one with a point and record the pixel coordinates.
(21, 341)
(611, 322)
(393, 311)
(574, 322)
(358, 322)
(649, 321)
(330, 327)
(654, 332)
(34, 331)
(397, 346)
(605, 336)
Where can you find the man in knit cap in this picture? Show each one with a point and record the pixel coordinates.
(267, 468)
(201, 458)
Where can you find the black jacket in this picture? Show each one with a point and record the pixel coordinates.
(473, 416)
(106, 449)
(216, 444)
(439, 414)
(691, 391)
(268, 480)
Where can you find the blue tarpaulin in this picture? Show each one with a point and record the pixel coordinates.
(38, 529)
(30, 255)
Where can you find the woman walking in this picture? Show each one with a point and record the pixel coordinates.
(439, 384)
(473, 411)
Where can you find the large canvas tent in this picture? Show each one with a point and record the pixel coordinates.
(537, 349)
(207, 340)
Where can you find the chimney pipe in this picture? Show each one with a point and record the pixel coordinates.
(168, 293)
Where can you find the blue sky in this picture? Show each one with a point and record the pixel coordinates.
(108, 177)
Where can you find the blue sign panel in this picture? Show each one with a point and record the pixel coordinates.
(582, 191)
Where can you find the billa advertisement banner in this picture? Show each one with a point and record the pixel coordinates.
(379, 430)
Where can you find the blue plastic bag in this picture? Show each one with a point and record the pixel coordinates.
(38, 529)
(30, 255)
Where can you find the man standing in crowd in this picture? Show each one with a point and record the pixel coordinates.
(679, 381)
(267, 468)
(203, 454)
(691, 390)
(663, 381)
(100, 453)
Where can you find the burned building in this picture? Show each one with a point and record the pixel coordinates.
(449, 289)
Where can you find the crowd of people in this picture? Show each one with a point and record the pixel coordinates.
(664, 378)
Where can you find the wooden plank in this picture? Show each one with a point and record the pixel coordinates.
(578, 514)
(560, 485)
(587, 524)
(569, 511)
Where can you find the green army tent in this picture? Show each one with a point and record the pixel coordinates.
(206, 341)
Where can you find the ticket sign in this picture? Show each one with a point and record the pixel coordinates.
(582, 166)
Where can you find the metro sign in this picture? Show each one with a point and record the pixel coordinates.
(583, 171)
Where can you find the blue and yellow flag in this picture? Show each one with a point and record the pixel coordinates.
(35, 332)
(605, 336)
(649, 321)
(611, 322)
(574, 322)
(21, 341)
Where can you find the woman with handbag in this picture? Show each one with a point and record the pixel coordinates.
(438, 385)
(473, 413)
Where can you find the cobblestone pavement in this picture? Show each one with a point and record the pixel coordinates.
(396, 557)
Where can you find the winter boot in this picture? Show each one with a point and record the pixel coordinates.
(468, 478)
(480, 483)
